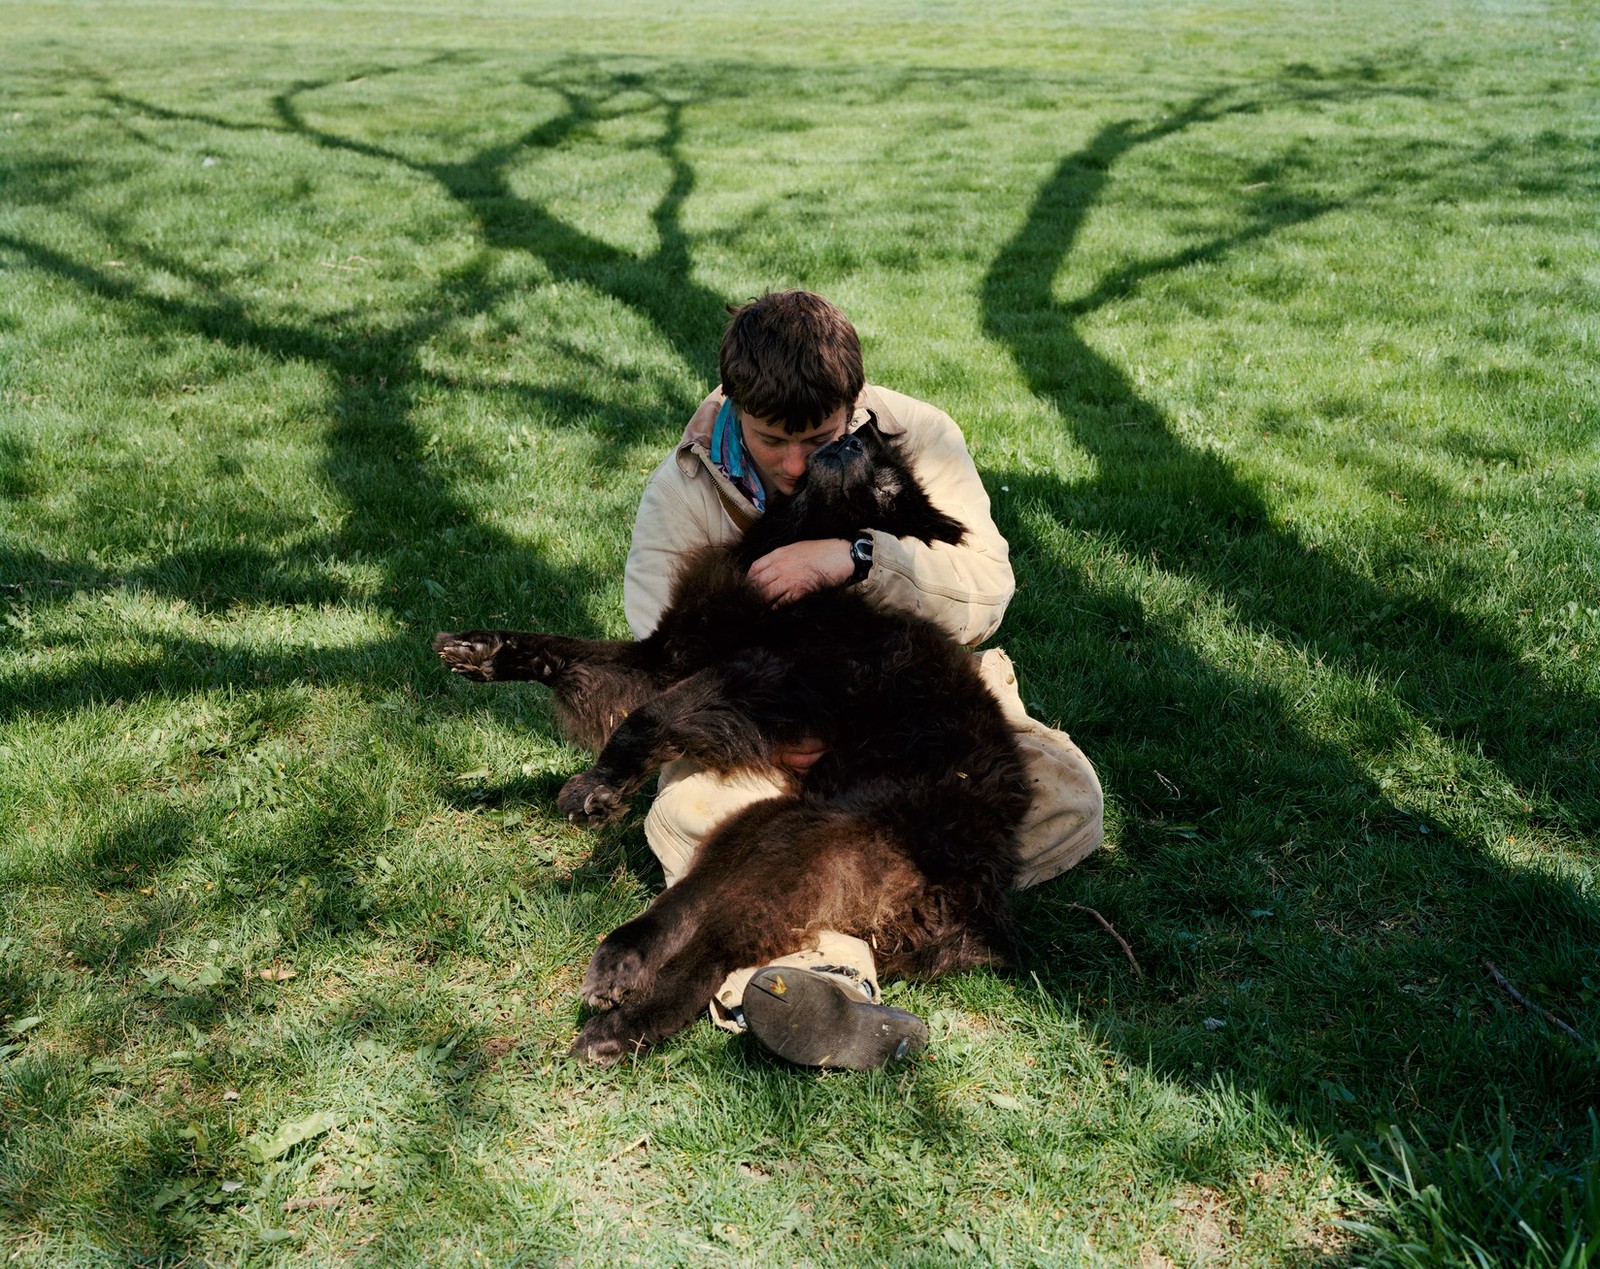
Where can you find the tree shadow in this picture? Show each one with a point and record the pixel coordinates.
(1279, 880)
(1186, 508)
(376, 458)
(441, 561)
(1194, 879)
(406, 512)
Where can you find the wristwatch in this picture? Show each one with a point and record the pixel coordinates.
(861, 557)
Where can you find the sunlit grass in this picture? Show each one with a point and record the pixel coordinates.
(1273, 333)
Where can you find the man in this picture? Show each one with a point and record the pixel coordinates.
(792, 380)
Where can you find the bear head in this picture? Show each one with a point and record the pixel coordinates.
(859, 481)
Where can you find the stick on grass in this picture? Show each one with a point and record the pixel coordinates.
(1522, 1000)
(1112, 931)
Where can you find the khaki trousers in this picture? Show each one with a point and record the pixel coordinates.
(1064, 824)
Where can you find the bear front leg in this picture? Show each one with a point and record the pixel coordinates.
(694, 718)
(596, 682)
(504, 656)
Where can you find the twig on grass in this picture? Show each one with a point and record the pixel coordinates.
(631, 1146)
(1112, 931)
(1528, 1004)
(64, 581)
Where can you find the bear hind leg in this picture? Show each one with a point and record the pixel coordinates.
(677, 995)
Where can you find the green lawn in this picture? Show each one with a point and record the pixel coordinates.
(1274, 330)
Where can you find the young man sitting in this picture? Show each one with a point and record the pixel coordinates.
(792, 380)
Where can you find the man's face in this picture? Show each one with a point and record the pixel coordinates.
(779, 456)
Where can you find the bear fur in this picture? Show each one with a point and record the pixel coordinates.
(902, 834)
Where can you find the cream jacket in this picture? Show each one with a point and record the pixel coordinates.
(964, 589)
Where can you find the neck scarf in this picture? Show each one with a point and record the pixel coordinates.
(727, 452)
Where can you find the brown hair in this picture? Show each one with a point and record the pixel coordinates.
(792, 358)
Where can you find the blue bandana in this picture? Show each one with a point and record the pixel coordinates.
(727, 452)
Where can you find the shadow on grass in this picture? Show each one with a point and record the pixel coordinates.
(1301, 933)
(184, 1174)
(376, 459)
(132, 852)
(1269, 883)
(383, 469)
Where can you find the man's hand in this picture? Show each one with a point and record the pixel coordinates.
(784, 575)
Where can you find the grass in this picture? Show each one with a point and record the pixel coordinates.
(1273, 330)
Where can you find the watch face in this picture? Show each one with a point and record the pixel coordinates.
(861, 557)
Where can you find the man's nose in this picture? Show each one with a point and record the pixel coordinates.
(794, 462)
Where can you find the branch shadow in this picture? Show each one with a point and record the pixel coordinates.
(406, 513)
(1279, 879)
(376, 458)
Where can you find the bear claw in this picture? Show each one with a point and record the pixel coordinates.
(588, 800)
(604, 1042)
(467, 656)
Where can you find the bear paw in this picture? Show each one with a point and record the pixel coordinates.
(588, 800)
(615, 973)
(470, 654)
(606, 1039)
(492, 656)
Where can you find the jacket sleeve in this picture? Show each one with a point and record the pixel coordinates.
(660, 540)
(668, 525)
(963, 589)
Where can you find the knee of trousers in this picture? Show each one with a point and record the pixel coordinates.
(1066, 819)
(689, 805)
(1065, 822)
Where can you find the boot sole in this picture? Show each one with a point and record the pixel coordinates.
(806, 1019)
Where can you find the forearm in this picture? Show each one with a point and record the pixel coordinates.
(963, 590)
(964, 587)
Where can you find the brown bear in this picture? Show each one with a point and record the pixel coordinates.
(902, 834)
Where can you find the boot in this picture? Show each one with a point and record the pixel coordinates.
(812, 1018)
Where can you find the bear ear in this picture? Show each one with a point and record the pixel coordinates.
(871, 435)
